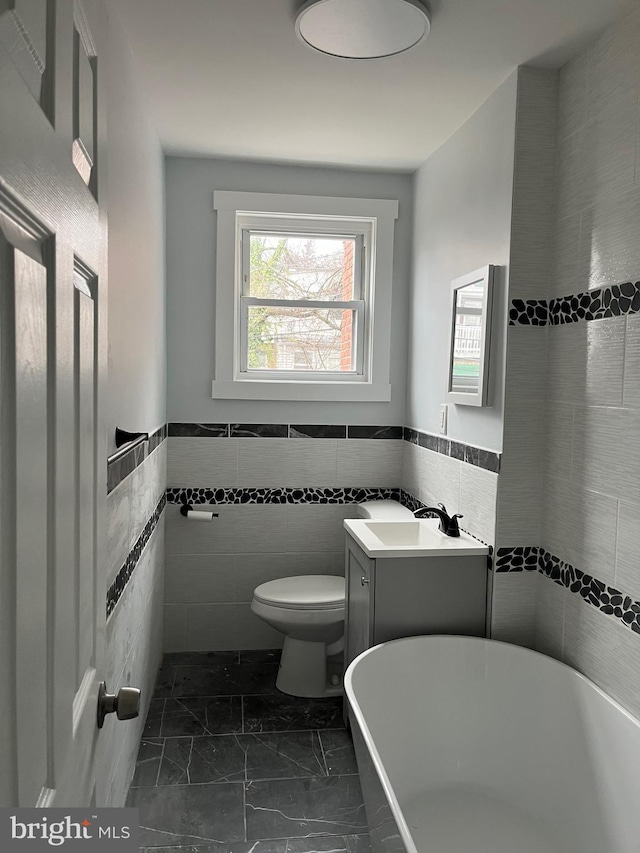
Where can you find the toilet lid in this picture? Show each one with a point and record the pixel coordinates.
(320, 592)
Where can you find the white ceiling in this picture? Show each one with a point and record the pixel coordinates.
(229, 78)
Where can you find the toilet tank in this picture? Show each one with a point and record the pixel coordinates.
(384, 510)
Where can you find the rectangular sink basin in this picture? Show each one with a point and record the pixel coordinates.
(417, 538)
(402, 532)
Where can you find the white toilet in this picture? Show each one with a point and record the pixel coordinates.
(309, 610)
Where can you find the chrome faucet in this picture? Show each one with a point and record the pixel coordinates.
(448, 524)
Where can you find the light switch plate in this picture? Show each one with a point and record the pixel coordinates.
(443, 418)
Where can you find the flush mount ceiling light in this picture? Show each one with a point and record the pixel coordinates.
(362, 29)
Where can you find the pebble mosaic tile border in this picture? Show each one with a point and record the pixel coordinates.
(615, 301)
(117, 588)
(193, 430)
(285, 495)
(611, 601)
(478, 456)
(120, 469)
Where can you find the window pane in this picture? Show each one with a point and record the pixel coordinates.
(467, 339)
(302, 267)
(300, 338)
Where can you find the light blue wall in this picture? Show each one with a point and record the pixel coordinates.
(137, 350)
(462, 221)
(191, 246)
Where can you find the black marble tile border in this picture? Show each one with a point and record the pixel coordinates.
(611, 601)
(489, 460)
(117, 588)
(120, 469)
(199, 430)
(194, 430)
(617, 300)
(285, 495)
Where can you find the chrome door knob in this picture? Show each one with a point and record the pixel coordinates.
(364, 581)
(126, 705)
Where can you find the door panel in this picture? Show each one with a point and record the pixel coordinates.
(52, 448)
(23, 31)
(31, 558)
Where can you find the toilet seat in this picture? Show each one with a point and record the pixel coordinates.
(303, 592)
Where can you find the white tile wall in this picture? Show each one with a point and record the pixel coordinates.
(558, 446)
(317, 527)
(119, 539)
(478, 495)
(134, 630)
(580, 527)
(175, 628)
(592, 505)
(227, 626)
(585, 363)
(439, 480)
(533, 191)
(248, 528)
(286, 462)
(513, 607)
(212, 569)
(551, 601)
(363, 462)
(609, 248)
(604, 650)
(631, 387)
(606, 451)
(202, 461)
(194, 578)
(130, 505)
(133, 653)
(627, 574)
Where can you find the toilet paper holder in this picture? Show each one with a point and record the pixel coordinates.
(186, 508)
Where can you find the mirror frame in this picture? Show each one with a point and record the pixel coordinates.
(479, 398)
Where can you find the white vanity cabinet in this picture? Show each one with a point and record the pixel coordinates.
(388, 597)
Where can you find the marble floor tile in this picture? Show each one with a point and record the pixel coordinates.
(283, 755)
(325, 844)
(303, 808)
(330, 844)
(174, 767)
(200, 658)
(189, 814)
(199, 716)
(224, 680)
(217, 759)
(259, 678)
(339, 754)
(164, 682)
(260, 655)
(288, 713)
(148, 762)
(153, 723)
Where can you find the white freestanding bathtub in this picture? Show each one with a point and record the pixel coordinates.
(467, 745)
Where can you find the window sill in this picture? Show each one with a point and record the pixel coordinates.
(347, 392)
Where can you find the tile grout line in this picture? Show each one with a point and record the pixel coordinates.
(324, 755)
(160, 764)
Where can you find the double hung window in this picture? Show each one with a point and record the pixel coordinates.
(303, 297)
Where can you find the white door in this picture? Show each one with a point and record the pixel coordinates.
(52, 371)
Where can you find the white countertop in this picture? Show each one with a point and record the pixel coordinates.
(412, 538)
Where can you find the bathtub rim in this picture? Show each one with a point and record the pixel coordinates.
(354, 708)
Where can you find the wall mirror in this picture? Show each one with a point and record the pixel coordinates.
(470, 338)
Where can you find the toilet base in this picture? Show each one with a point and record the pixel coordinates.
(303, 670)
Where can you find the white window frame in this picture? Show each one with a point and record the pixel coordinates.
(373, 221)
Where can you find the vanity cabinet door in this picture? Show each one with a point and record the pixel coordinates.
(360, 578)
